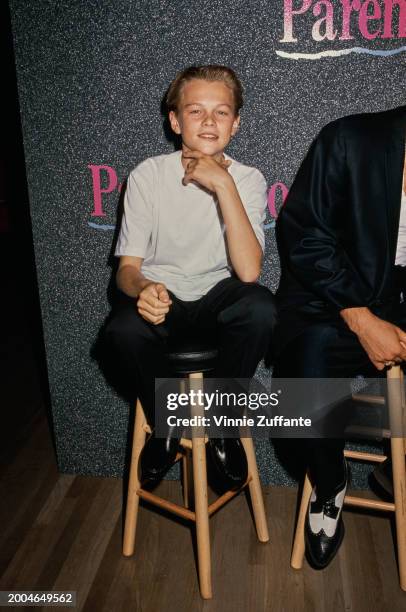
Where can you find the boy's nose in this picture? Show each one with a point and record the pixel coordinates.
(208, 120)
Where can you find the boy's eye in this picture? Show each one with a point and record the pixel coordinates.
(195, 111)
(222, 112)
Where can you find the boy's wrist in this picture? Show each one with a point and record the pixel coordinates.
(140, 286)
(225, 184)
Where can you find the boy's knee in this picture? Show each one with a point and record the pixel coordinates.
(126, 331)
(254, 312)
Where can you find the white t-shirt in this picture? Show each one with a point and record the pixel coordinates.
(178, 229)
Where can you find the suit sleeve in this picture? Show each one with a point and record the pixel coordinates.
(311, 222)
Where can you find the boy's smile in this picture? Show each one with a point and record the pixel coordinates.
(206, 117)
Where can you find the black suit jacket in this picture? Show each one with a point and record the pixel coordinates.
(337, 231)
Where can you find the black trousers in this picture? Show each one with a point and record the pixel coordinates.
(326, 348)
(237, 317)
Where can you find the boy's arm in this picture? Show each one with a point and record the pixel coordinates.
(153, 300)
(244, 249)
(130, 280)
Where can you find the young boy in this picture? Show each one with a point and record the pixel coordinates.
(190, 248)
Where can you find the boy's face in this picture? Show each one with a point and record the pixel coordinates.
(206, 117)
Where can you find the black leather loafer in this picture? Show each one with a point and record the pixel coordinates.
(229, 459)
(324, 527)
(157, 457)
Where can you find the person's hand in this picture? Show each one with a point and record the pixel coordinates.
(384, 343)
(154, 302)
(211, 173)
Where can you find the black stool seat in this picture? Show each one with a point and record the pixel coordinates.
(188, 357)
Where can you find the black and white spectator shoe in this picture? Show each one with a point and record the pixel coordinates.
(324, 527)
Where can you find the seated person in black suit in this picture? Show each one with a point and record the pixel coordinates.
(341, 239)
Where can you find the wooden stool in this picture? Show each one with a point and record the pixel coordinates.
(397, 419)
(193, 451)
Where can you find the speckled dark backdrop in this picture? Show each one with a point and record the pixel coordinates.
(91, 76)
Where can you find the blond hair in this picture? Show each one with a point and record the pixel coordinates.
(211, 72)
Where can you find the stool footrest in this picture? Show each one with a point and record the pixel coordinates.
(187, 442)
(355, 431)
(167, 505)
(370, 399)
(223, 499)
(184, 512)
(361, 456)
(375, 504)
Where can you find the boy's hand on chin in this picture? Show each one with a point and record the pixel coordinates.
(210, 172)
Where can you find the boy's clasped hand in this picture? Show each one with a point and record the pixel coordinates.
(210, 172)
(154, 302)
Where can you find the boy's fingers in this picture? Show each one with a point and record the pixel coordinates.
(151, 290)
(163, 294)
(156, 300)
(186, 179)
(153, 308)
(155, 319)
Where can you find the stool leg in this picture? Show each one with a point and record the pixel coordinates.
(395, 395)
(201, 501)
(299, 543)
(186, 465)
(402, 391)
(187, 478)
(133, 500)
(257, 499)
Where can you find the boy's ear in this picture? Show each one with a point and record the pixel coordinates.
(173, 120)
(236, 125)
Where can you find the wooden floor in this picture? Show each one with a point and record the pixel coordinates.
(64, 532)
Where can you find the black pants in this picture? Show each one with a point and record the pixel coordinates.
(328, 349)
(237, 317)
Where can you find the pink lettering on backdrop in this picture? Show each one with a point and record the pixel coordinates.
(276, 189)
(348, 7)
(375, 18)
(370, 11)
(326, 22)
(98, 190)
(388, 18)
(289, 14)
